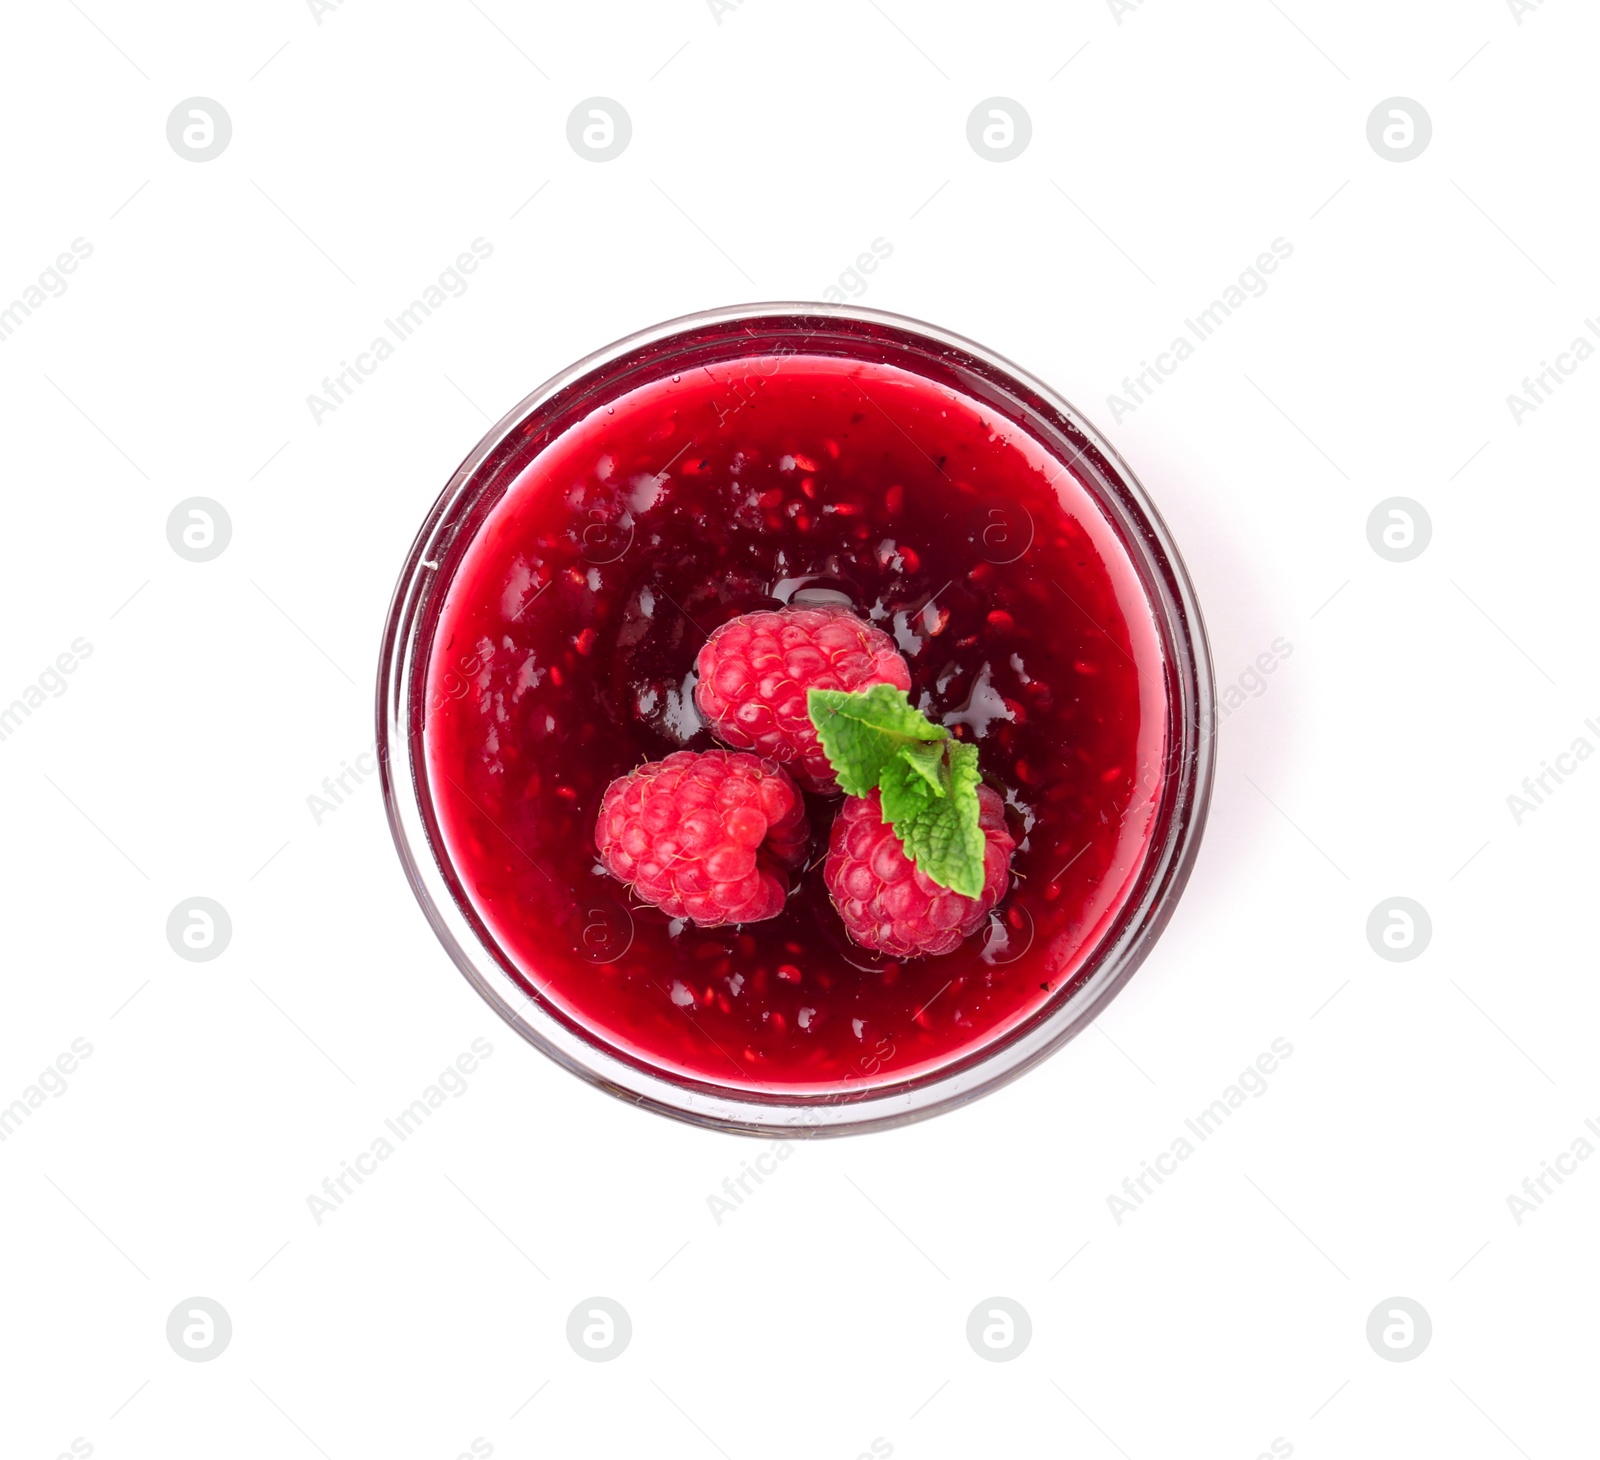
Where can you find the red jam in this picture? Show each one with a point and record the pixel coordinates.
(564, 656)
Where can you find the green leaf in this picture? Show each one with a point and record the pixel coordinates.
(926, 760)
(863, 731)
(942, 836)
(905, 792)
(927, 781)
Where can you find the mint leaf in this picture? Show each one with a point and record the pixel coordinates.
(905, 792)
(924, 760)
(927, 781)
(943, 836)
(862, 731)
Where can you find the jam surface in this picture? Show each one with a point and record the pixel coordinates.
(564, 656)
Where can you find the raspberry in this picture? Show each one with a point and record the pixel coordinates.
(755, 671)
(888, 904)
(707, 836)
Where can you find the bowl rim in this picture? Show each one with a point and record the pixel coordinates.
(1137, 924)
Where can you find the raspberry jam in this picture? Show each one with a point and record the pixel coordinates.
(563, 655)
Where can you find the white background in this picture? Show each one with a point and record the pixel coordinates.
(768, 150)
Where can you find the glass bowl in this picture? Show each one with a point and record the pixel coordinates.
(1177, 775)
